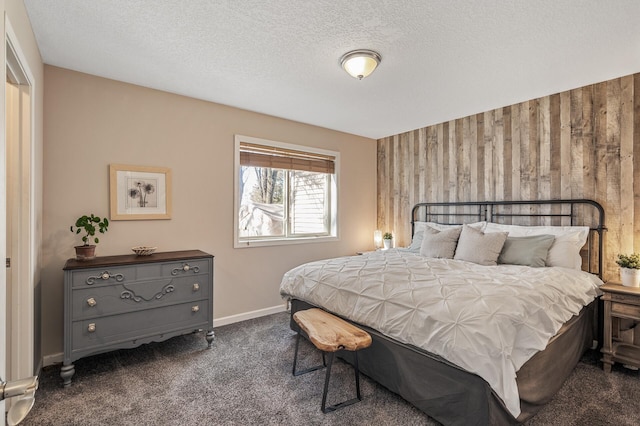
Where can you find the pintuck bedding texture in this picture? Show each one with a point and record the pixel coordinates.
(488, 320)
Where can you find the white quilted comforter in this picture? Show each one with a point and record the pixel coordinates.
(488, 320)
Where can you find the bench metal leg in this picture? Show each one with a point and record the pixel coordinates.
(328, 365)
(357, 372)
(308, 370)
(335, 407)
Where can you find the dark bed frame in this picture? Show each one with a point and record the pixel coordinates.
(561, 212)
(447, 392)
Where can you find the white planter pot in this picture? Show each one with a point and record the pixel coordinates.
(387, 244)
(630, 277)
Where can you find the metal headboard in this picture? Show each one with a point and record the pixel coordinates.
(579, 212)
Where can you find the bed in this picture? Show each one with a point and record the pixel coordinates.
(463, 339)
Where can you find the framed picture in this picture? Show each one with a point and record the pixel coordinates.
(139, 192)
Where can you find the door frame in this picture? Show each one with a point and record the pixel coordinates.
(3, 233)
(21, 327)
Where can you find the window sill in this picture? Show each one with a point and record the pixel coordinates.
(283, 242)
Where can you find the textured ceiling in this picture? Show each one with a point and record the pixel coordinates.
(441, 59)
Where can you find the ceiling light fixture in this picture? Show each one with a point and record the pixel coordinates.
(360, 63)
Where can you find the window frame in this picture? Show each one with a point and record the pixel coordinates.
(239, 242)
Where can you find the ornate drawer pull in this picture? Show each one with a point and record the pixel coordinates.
(195, 308)
(130, 294)
(185, 268)
(91, 328)
(105, 276)
(196, 287)
(91, 302)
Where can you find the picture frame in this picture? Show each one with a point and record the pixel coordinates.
(139, 192)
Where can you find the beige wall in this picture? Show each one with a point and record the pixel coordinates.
(582, 143)
(92, 122)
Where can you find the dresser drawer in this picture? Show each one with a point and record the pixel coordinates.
(93, 333)
(102, 276)
(90, 302)
(185, 268)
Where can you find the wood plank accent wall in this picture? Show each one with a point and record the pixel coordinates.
(583, 143)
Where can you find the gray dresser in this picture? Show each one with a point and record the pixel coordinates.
(117, 302)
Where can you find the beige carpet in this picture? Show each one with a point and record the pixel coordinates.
(245, 379)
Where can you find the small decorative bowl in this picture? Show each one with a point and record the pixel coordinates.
(143, 250)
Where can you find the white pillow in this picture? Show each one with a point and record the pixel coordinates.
(479, 247)
(567, 243)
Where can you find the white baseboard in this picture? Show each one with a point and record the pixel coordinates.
(218, 322)
(52, 359)
(48, 360)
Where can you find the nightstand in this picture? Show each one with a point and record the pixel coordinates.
(621, 325)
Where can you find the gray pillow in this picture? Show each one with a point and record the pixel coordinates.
(416, 242)
(477, 247)
(440, 244)
(527, 251)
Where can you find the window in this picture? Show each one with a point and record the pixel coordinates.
(284, 193)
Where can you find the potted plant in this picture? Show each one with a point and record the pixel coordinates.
(629, 269)
(386, 240)
(89, 224)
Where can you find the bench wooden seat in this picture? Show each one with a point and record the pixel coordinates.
(330, 334)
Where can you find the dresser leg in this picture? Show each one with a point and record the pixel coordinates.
(210, 336)
(67, 372)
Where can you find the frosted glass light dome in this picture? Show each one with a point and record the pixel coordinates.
(360, 63)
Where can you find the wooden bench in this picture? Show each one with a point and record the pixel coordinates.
(330, 334)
